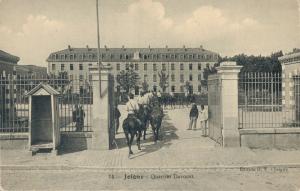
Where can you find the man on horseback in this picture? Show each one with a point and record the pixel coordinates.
(144, 111)
(132, 125)
(132, 108)
(140, 99)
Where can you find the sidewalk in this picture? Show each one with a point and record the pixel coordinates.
(165, 158)
(178, 148)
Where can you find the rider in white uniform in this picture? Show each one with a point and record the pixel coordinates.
(132, 106)
(140, 100)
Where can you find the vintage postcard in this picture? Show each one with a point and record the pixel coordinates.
(150, 95)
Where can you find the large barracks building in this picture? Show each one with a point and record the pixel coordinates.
(180, 64)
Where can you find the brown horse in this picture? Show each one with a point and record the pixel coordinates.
(144, 116)
(132, 127)
(156, 117)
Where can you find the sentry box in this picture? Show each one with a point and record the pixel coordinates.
(44, 131)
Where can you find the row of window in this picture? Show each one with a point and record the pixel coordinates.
(127, 65)
(154, 66)
(130, 56)
(62, 67)
(182, 79)
(73, 56)
(81, 77)
(173, 89)
(288, 60)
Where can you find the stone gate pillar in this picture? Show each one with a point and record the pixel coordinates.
(100, 115)
(228, 72)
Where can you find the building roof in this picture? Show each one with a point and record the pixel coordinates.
(49, 89)
(291, 57)
(132, 54)
(8, 57)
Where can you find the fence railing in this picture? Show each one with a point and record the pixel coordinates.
(265, 102)
(75, 101)
(215, 108)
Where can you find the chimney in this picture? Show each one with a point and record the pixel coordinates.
(201, 47)
(183, 46)
(105, 47)
(69, 47)
(87, 47)
(167, 47)
(123, 47)
(149, 46)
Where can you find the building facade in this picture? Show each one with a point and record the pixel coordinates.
(291, 81)
(27, 70)
(8, 63)
(9, 66)
(180, 64)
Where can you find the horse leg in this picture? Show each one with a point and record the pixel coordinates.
(157, 133)
(130, 142)
(138, 140)
(145, 130)
(154, 133)
(159, 129)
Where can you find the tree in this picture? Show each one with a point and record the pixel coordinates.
(60, 81)
(206, 72)
(257, 63)
(63, 75)
(128, 79)
(163, 80)
(145, 86)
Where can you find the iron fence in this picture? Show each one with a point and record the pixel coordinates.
(266, 102)
(215, 108)
(75, 101)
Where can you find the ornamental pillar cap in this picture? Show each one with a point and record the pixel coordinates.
(229, 67)
(231, 63)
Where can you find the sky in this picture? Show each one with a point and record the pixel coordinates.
(32, 29)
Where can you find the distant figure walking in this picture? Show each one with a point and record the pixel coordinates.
(117, 118)
(78, 118)
(203, 120)
(193, 117)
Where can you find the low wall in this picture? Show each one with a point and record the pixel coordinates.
(69, 141)
(14, 141)
(269, 138)
(76, 140)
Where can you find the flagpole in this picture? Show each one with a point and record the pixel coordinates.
(98, 41)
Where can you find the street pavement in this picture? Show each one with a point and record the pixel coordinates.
(180, 151)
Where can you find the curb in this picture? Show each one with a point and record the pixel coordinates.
(187, 168)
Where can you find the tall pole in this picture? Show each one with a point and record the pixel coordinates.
(98, 40)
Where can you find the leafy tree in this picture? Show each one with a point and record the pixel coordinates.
(163, 80)
(63, 75)
(128, 79)
(145, 86)
(257, 63)
(206, 72)
(59, 81)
